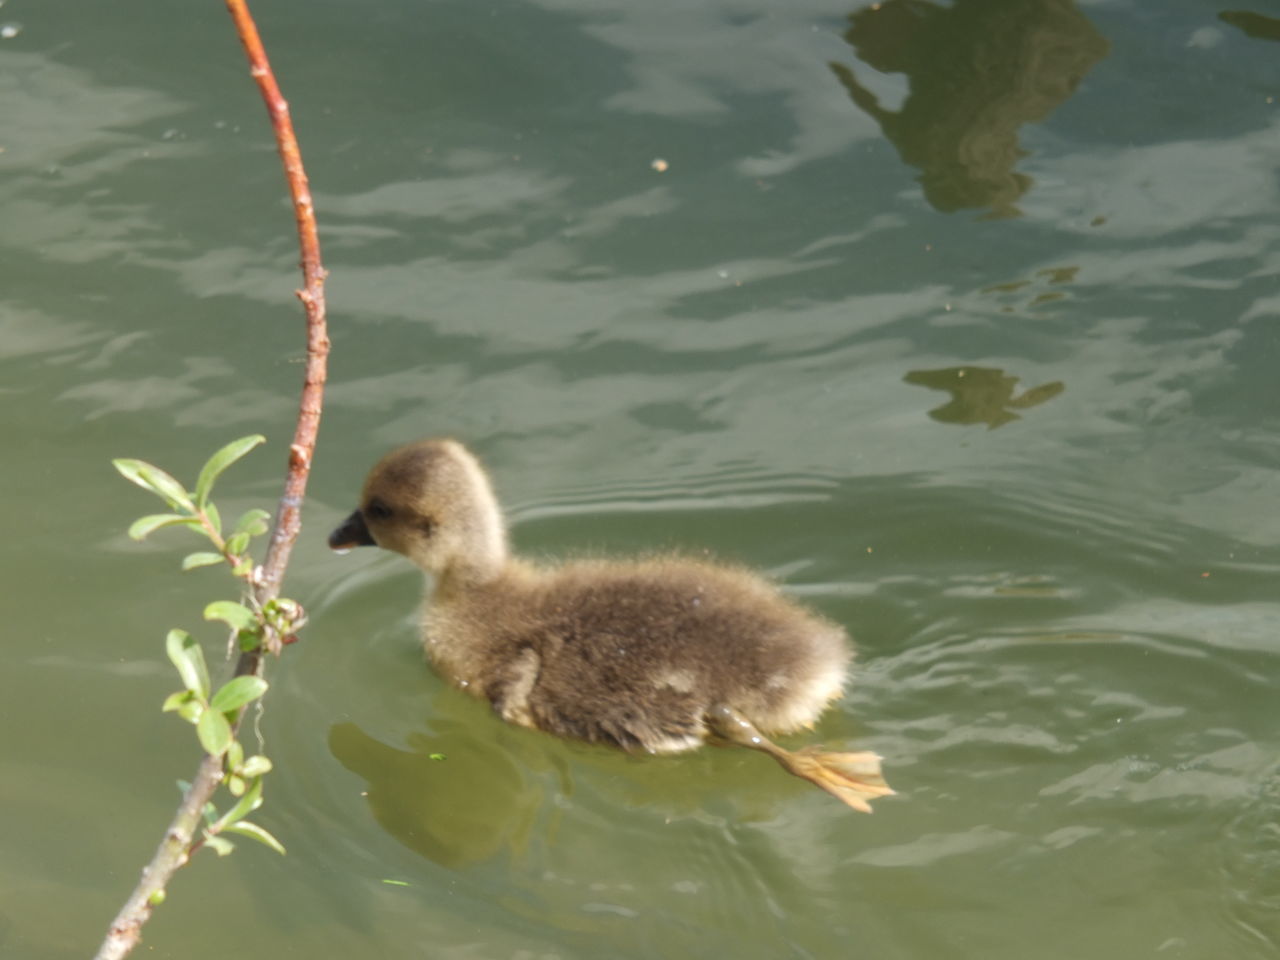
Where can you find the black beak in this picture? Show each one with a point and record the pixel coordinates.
(352, 532)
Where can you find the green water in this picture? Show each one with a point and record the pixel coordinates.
(959, 321)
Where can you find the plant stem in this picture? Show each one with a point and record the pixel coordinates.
(288, 516)
(173, 853)
(214, 536)
(220, 542)
(181, 838)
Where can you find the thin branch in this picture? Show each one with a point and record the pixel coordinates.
(182, 837)
(288, 518)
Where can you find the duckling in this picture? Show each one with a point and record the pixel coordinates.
(657, 654)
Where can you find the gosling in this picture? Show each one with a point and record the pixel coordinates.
(658, 655)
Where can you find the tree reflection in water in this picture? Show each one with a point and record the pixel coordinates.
(978, 70)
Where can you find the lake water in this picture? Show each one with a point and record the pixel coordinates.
(961, 321)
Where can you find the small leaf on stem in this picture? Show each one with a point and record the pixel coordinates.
(176, 701)
(201, 559)
(248, 803)
(189, 659)
(254, 522)
(219, 845)
(150, 477)
(214, 518)
(144, 526)
(238, 691)
(224, 458)
(245, 828)
(235, 615)
(214, 732)
(249, 639)
(237, 543)
(255, 766)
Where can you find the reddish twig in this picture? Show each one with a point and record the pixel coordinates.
(312, 297)
(182, 838)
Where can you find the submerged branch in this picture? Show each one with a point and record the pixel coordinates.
(183, 836)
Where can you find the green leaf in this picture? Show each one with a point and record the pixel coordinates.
(156, 898)
(243, 568)
(235, 615)
(214, 732)
(176, 701)
(215, 518)
(437, 756)
(224, 458)
(235, 784)
(189, 659)
(250, 802)
(245, 828)
(238, 691)
(219, 845)
(143, 526)
(254, 522)
(235, 756)
(192, 710)
(201, 559)
(237, 543)
(255, 766)
(150, 477)
(210, 814)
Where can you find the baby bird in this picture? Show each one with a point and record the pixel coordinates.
(653, 654)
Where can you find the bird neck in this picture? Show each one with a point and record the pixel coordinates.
(482, 551)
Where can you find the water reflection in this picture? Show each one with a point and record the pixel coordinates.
(412, 793)
(1252, 24)
(1051, 276)
(981, 394)
(978, 71)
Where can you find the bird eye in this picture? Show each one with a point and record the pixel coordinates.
(377, 510)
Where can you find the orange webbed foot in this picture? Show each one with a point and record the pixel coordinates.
(853, 778)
